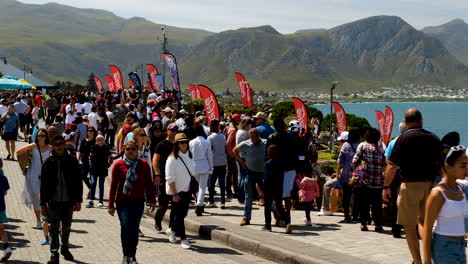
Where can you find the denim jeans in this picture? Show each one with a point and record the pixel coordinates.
(94, 182)
(110, 137)
(85, 172)
(179, 211)
(241, 188)
(250, 180)
(60, 214)
(202, 183)
(446, 250)
(130, 213)
(219, 173)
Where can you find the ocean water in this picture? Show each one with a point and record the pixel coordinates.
(439, 117)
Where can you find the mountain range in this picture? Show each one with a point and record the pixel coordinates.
(64, 43)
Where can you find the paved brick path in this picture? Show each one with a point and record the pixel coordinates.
(95, 235)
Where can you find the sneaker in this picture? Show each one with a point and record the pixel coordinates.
(185, 244)
(171, 236)
(265, 228)
(244, 222)
(211, 205)
(90, 205)
(101, 205)
(280, 223)
(66, 254)
(132, 261)
(325, 212)
(288, 229)
(45, 242)
(54, 258)
(157, 225)
(125, 260)
(39, 225)
(307, 222)
(222, 206)
(7, 253)
(198, 211)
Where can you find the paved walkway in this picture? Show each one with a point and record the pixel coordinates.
(95, 235)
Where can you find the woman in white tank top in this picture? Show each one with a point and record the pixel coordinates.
(446, 208)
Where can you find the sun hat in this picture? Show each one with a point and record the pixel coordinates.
(261, 115)
(181, 137)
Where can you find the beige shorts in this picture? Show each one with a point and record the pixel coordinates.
(412, 202)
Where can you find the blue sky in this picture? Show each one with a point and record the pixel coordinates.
(285, 16)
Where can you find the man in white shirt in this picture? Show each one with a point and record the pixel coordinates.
(93, 118)
(110, 132)
(3, 107)
(152, 96)
(87, 108)
(73, 110)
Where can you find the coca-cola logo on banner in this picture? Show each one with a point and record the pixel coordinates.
(210, 104)
(117, 79)
(243, 85)
(340, 117)
(301, 116)
(111, 86)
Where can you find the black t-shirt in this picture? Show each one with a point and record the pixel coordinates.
(416, 152)
(164, 149)
(288, 148)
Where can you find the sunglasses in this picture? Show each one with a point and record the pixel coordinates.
(142, 135)
(183, 142)
(130, 149)
(58, 144)
(90, 130)
(41, 136)
(453, 150)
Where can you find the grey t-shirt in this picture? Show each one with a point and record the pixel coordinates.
(254, 155)
(20, 107)
(218, 144)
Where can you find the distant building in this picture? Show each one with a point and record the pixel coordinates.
(10, 70)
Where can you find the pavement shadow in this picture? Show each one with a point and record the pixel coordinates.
(213, 250)
(86, 221)
(14, 220)
(150, 239)
(224, 214)
(17, 242)
(79, 231)
(21, 261)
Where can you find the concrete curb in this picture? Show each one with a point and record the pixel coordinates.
(248, 245)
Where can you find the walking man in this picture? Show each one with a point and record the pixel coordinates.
(61, 195)
(10, 130)
(416, 153)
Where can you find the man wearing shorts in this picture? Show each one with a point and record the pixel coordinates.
(10, 130)
(416, 153)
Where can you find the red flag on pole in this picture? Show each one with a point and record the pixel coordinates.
(340, 117)
(130, 82)
(98, 84)
(388, 124)
(110, 83)
(194, 92)
(301, 113)
(153, 75)
(210, 102)
(246, 91)
(117, 76)
(380, 123)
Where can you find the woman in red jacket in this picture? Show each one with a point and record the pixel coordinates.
(131, 182)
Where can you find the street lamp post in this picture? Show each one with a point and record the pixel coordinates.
(24, 71)
(332, 87)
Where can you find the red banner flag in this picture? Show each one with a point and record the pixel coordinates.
(110, 83)
(130, 82)
(194, 92)
(210, 102)
(117, 76)
(340, 117)
(98, 84)
(153, 77)
(246, 91)
(380, 123)
(301, 113)
(388, 124)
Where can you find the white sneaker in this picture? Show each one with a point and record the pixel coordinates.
(325, 212)
(171, 235)
(7, 253)
(101, 205)
(185, 244)
(125, 260)
(39, 225)
(211, 205)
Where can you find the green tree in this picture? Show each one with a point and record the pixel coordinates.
(283, 109)
(91, 84)
(351, 120)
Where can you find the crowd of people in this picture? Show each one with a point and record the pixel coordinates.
(163, 156)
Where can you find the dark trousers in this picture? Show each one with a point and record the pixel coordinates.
(94, 181)
(277, 199)
(110, 137)
(307, 208)
(395, 189)
(219, 173)
(371, 199)
(232, 176)
(163, 202)
(130, 213)
(357, 197)
(347, 192)
(60, 214)
(85, 172)
(51, 113)
(179, 211)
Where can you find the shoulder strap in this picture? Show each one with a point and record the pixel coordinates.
(185, 165)
(441, 191)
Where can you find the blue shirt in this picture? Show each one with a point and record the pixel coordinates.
(4, 186)
(265, 130)
(11, 123)
(389, 150)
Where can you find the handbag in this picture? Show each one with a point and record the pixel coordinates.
(193, 182)
(336, 199)
(359, 176)
(24, 160)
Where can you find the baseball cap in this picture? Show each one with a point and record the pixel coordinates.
(172, 126)
(167, 110)
(236, 117)
(343, 136)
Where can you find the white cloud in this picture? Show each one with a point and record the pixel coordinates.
(285, 16)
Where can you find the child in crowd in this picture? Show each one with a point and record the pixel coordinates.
(4, 187)
(100, 160)
(70, 145)
(320, 179)
(308, 189)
